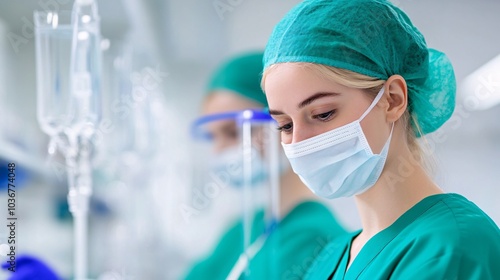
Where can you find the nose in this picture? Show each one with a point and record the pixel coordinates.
(301, 132)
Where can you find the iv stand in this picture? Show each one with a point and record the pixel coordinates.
(69, 105)
(80, 190)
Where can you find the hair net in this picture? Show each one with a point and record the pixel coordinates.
(370, 37)
(241, 75)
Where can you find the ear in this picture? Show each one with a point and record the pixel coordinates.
(397, 97)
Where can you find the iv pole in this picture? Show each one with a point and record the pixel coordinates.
(84, 75)
(69, 104)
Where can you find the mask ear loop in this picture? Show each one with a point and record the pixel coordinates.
(375, 101)
(388, 141)
(390, 134)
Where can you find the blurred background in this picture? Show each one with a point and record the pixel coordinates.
(140, 214)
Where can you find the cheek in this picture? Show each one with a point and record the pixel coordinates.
(286, 138)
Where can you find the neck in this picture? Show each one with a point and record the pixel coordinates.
(292, 192)
(402, 184)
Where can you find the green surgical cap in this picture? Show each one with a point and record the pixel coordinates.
(241, 74)
(370, 37)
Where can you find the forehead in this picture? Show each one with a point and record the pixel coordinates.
(292, 82)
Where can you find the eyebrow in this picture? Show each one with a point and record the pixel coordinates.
(315, 97)
(307, 101)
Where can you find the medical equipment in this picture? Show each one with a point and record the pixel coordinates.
(256, 133)
(68, 98)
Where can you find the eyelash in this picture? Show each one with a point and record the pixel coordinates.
(327, 117)
(283, 129)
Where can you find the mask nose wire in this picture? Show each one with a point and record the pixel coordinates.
(375, 101)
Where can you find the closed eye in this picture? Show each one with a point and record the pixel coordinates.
(324, 116)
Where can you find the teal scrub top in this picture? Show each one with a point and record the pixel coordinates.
(287, 253)
(444, 236)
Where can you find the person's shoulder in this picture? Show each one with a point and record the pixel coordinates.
(304, 233)
(310, 210)
(312, 216)
(310, 226)
(452, 237)
(458, 220)
(474, 227)
(454, 224)
(331, 254)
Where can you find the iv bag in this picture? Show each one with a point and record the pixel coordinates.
(53, 54)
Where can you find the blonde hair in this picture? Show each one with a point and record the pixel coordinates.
(371, 86)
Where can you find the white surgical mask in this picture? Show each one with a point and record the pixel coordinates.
(340, 162)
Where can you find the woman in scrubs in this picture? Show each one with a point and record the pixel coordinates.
(352, 86)
(304, 225)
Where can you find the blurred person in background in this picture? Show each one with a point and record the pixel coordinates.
(302, 220)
